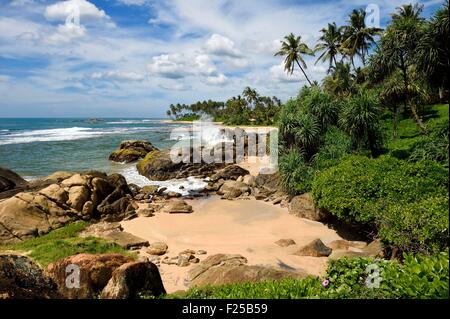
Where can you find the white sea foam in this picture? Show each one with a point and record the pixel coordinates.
(64, 134)
(132, 121)
(188, 185)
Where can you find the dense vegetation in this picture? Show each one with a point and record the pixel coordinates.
(418, 277)
(250, 108)
(64, 242)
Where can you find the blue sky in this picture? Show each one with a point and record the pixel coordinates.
(135, 57)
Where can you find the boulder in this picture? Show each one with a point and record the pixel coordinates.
(230, 185)
(9, 179)
(224, 269)
(131, 151)
(316, 248)
(285, 242)
(52, 205)
(303, 206)
(22, 278)
(177, 206)
(126, 240)
(101, 229)
(249, 180)
(230, 172)
(157, 248)
(95, 272)
(59, 176)
(346, 244)
(133, 279)
(146, 212)
(268, 182)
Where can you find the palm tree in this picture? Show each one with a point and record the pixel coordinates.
(292, 47)
(330, 43)
(357, 37)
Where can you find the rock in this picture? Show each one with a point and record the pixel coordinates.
(231, 185)
(126, 240)
(78, 195)
(268, 182)
(177, 206)
(22, 278)
(131, 151)
(303, 206)
(157, 248)
(150, 189)
(249, 180)
(374, 249)
(172, 194)
(101, 229)
(316, 248)
(95, 272)
(201, 252)
(346, 244)
(49, 206)
(224, 269)
(146, 212)
(9, 179)
(133, 279)
(183, 260)
(158, 166)
(231, 194)
(285, 242)
(59, 176)
(135, 189)
(232, 172)
(194, 260)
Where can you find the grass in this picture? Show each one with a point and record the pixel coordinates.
(409, 133)
(64, 242)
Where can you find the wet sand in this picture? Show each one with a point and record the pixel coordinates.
(246, 227)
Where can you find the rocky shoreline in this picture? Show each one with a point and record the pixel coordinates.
(29, 210)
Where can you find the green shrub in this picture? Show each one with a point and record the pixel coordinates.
(336, 145)
(407, 203)
(416, 277)
(296, 174)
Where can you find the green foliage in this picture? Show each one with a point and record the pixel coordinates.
(417, 277)
(64, 242)
(406, 202)
(360, 118)
(296, 175)
(336, 145)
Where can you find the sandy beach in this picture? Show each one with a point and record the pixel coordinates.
(246, 227)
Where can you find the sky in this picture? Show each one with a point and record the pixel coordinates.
(133, 58)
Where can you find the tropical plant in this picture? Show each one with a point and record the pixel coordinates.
(330, 42)
(293, 48)
(357, 37)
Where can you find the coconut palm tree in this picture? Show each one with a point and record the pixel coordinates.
(330, 43)
(293, 48)
(357, 37)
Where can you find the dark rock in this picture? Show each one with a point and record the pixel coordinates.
(10, 180)
(22, 278)
(131, 151)
(230, 172)
(316, 248)
(133, 279)
(285, 242)
(303, 206)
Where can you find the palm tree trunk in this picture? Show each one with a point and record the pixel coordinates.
(412, 105)
(394, 123)
(310, 84)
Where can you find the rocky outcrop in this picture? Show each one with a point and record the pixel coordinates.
(133, 279)
(177, 206)
(374, 249)
(158, 165)
(157, 248)
(131, 151)
(22, 278)
(231, 189)
(95, 271)
(285, 242)
(223, 269)
(268, 183)
(316, 248)
(303, 206)
(91, 195)
(230, 172)
(9, 179)
(113, 232)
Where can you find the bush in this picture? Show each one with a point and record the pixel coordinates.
(416, 277)
(296, 175)
(389, 195)
(336, 145)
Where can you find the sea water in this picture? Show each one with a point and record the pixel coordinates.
(38, 147)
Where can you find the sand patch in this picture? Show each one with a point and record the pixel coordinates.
(246, 227)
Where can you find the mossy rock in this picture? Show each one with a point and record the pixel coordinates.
(131, 151)
(157, 165)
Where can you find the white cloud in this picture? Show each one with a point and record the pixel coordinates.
(62, 10)
(218, 79)
(176, 65)
(175, 86)
(4, 78)
(20, 3)
(222, 46)
(118, 76)
(133, 2)
(67, 33)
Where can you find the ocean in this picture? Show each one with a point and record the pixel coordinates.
(37, 147)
